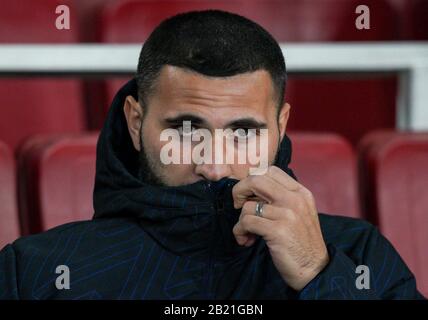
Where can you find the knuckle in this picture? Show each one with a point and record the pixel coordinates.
(309, 200)
(247, 207)
(279, 230)
(308, 194)
(252, 180)
(246, 221)
(311, 197)
(234, 191)
(236, 229)
(300, 206)
(290, 214)
(236, 188)
(271, 170)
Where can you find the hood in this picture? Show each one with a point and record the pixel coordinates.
(195, 219)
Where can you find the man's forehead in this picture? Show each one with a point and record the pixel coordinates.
(183, 82)
(180, 90)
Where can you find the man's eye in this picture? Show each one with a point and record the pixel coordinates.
(245, 133)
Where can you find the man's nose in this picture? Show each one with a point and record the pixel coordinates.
(218, 167)
(213, 172)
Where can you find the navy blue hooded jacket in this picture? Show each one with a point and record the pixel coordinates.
(151, 242)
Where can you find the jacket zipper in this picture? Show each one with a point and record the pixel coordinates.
(218, 209)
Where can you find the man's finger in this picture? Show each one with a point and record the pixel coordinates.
(252, 224)
(282, 177)
(269, 211)
(263, 187)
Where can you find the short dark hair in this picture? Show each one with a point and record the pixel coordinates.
(213, 43)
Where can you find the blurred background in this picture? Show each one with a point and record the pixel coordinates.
(359, 120)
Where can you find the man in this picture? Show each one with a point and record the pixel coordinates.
(203, 230)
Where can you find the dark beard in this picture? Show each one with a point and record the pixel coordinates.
(146, 172)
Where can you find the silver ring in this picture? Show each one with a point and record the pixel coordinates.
(259, 208)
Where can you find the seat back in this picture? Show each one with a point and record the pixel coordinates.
(326, 165)
(395, 167)
(57, 175)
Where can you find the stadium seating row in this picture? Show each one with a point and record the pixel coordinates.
(346, 105)
(56, 177)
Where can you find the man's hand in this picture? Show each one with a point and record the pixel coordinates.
(289, 224)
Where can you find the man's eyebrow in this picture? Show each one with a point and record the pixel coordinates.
(246, 123)
(185, 117)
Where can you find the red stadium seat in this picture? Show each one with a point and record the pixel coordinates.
(343, 104)
(414, 14)
(367, 146)
(326, 165)
(56, 175)
(37, 105)
(9, 223)
(394, 166)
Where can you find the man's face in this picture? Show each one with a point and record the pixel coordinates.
(244, 101)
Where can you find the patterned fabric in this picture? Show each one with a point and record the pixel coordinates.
(151, 242)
